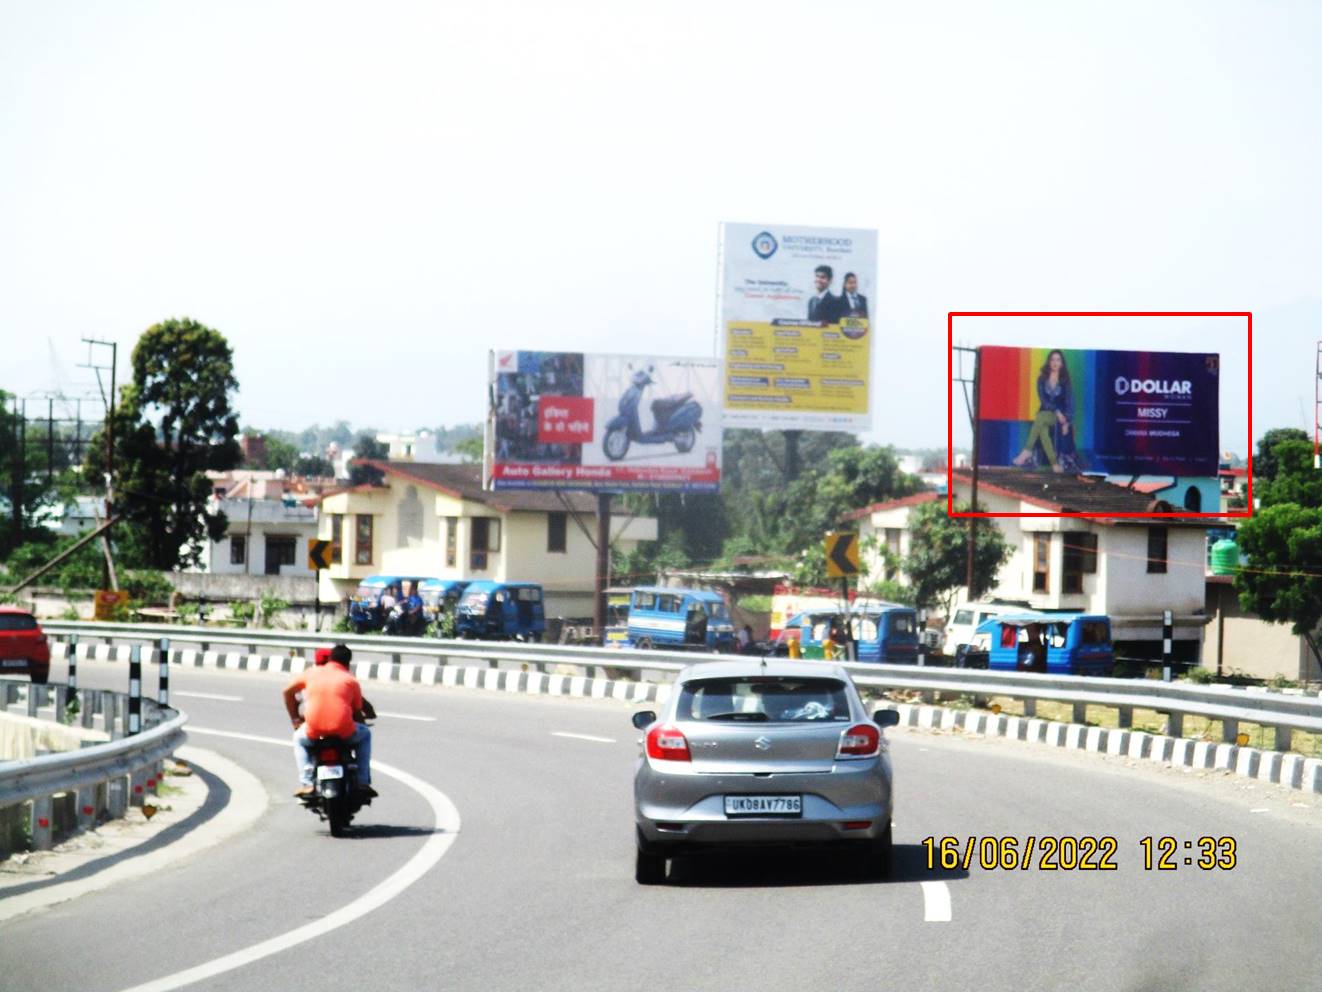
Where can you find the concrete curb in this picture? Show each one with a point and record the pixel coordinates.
(1292, 771)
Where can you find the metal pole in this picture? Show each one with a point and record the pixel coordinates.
(135, 689)
(73, 667)
(973, 501)
(316, 602)
(50, 440)
(22, 431)
(1220, 628)
(603, 561)
(163, 683)
(1166, 632)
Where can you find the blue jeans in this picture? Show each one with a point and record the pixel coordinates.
(362, 745)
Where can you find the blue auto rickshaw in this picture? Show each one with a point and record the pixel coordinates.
(881, 632)
(501, 611)
(365, 611)
(440, 596)
(678, 619)
(1054, 643)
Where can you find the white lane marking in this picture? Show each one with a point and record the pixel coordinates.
(936, 902)
(406, 716)
(584, 737)
(209, 695)
(1260, 809)
(446, 823)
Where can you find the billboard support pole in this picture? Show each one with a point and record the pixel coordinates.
(793, 465)
(603, 561)
(973, 502)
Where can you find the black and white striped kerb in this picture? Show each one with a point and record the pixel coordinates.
(163, 686)
(135, 689)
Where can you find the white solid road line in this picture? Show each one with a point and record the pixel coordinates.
(447, 828)
(584, 737)
(936, 902)
(209, 695)
(406, 716)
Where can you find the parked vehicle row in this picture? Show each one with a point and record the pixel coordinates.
(406, 605)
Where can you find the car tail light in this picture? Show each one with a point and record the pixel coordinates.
(859, 741)
(666, 743)
(329, 755)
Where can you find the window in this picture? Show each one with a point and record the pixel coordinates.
(902, 623)
(963, 617)
(279, 551)
(486, 534)
(238, 549)
(362, 539)
(1041, 562)
(1080, 559)
(644, 600)
(17, 621)
(557, 522)
(1157, 550)
(451, 541)
(1095, 632)
(669, 604)
(893, 546)
(760, 699)
(337, 538)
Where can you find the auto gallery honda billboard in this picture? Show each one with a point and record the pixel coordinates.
(797, 311)
(1119, 412)
(568, 420)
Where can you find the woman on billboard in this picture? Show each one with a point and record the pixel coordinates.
(1053, 427)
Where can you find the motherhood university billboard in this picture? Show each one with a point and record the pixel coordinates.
(1120, 412)
(796, 319)
(566, 420)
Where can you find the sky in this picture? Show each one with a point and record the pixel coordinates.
(366, 199)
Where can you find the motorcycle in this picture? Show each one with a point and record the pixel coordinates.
(335, 797)
(675, 420)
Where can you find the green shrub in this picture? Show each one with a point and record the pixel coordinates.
(1202, 676)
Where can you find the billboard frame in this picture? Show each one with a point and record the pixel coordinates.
(1246, 513)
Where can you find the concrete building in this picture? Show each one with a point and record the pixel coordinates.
(271, 519)
(1240, 642)
(1131, 569)
(436, 520)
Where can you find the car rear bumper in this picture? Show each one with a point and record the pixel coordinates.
(688, 810)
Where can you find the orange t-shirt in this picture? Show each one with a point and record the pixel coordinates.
(331, 696)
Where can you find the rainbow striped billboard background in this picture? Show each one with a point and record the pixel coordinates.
(1128, 412)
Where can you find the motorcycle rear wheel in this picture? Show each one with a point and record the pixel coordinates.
(685, 440)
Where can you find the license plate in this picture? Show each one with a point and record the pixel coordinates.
(763, 805)
(14, 663)
(330, 771)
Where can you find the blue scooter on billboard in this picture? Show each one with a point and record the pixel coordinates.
(676, 419)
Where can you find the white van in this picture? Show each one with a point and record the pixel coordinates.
(967, 618)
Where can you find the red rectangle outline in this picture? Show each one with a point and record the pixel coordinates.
(950, 406)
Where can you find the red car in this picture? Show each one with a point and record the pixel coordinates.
(24, 649)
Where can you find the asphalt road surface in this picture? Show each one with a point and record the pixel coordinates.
(536, 891)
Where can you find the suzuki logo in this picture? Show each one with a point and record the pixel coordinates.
(762, 743)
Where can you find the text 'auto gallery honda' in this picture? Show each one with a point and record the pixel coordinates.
(763, 752)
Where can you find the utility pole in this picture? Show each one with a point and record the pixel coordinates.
(109, 402)
(972, 407)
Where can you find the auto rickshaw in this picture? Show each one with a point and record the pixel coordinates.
(501, 611)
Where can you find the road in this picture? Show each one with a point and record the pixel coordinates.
(536, 891)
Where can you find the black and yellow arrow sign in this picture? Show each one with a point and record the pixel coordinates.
(841, 554)
(319, 554)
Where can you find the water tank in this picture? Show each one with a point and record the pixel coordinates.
(1225, 557)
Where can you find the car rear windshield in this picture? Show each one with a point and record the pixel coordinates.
(17, 621)
(761, 699)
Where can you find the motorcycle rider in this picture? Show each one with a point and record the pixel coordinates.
(334, 706)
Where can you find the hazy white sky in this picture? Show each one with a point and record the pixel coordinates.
(365, 198)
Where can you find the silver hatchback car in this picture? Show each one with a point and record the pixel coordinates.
(762, 752)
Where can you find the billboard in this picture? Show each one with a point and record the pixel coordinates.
(1120, 412)
(796, 316)
(567, 420)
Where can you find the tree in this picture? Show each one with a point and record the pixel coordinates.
(1265, 462)
(1282, 541)
(938, 556)
(314, 466)
(367, 447)
(174, 423)
(470, 449)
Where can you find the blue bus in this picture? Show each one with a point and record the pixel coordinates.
(1054, 643)
(662, 617)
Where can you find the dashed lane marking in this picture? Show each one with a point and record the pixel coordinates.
(584, 737)
(406, 716)
(936, 902)
(209, 695)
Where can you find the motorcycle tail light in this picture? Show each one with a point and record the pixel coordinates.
(328, 755)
